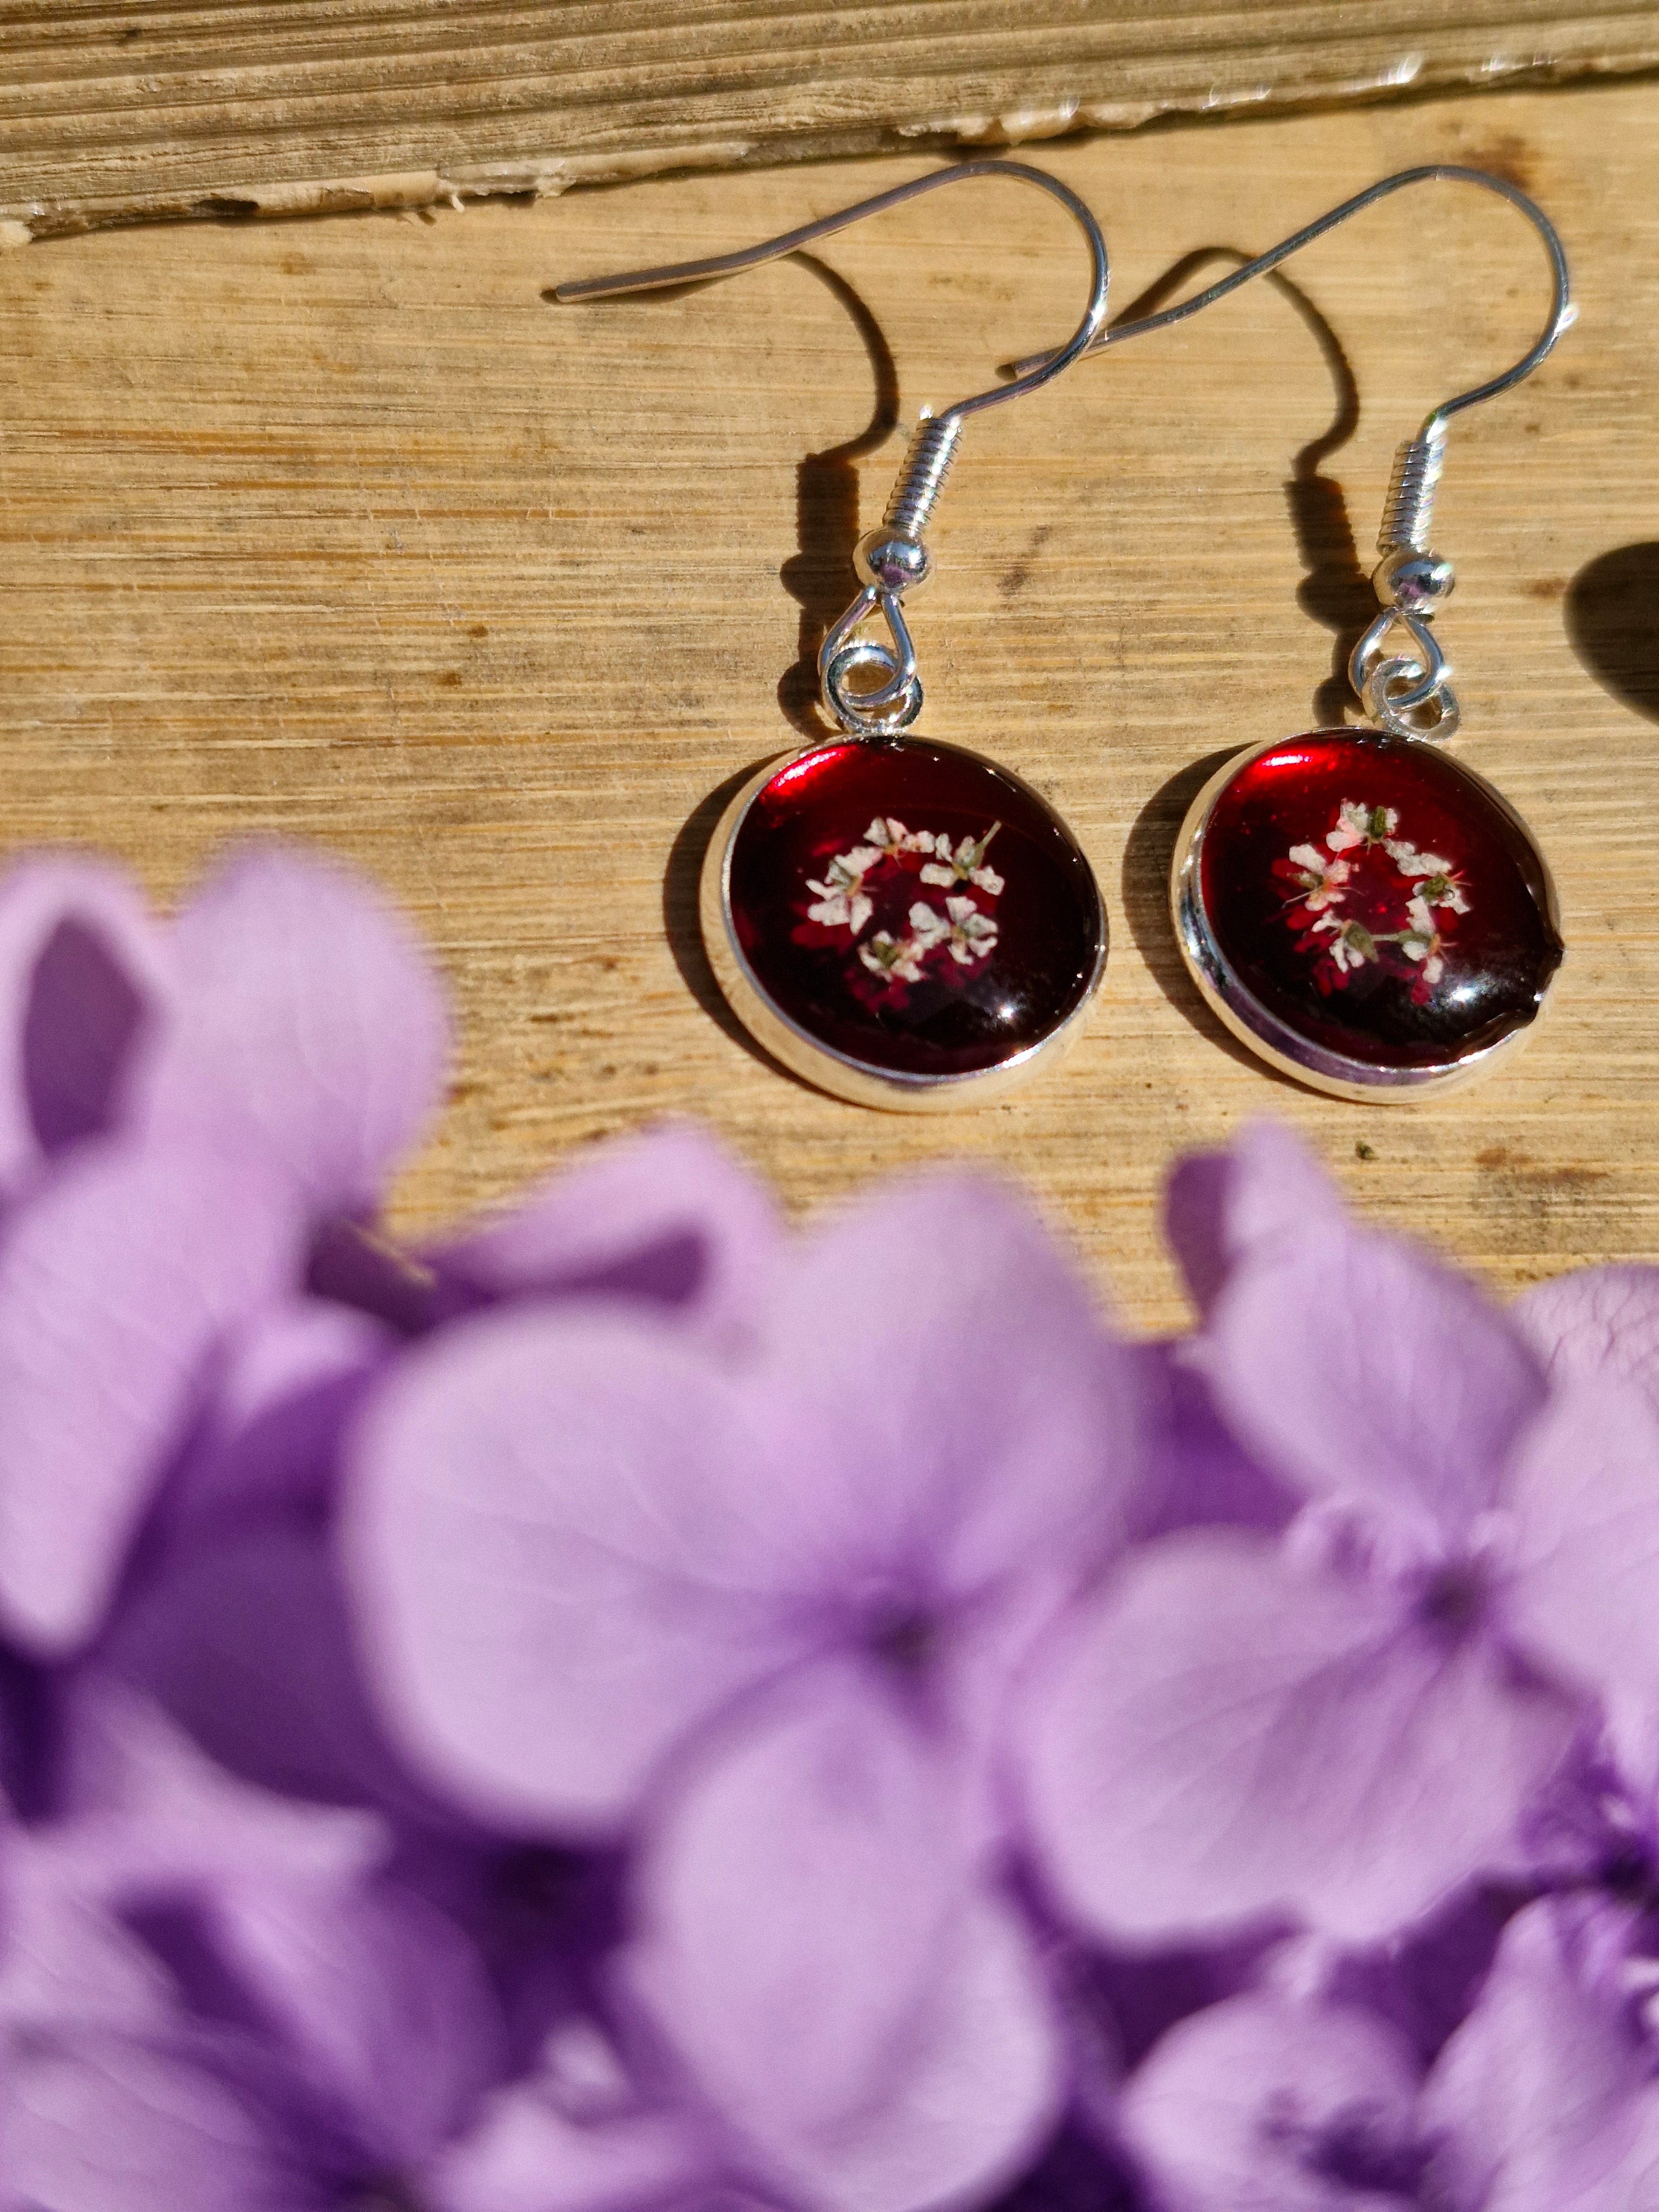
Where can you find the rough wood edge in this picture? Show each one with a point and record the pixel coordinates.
(548, 175)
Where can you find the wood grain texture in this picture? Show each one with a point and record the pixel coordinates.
(112, 109)
(341, 530)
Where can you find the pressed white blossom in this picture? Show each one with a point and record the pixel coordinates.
(1409, 861)
(854, 881)
(888, 835)
(1422, 941)
(1351, 943)
(1321, 880)
(973, 935)
(1439, 885)
(1437, 881)
(1361, 826)
(842, 898)
(928, 927)
(964, 864)
(895, 959)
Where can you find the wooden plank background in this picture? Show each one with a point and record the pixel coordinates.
(115, 108)
(339, 529)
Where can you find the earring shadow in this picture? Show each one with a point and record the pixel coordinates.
(1613, 623)
(682, 919)
(1144, 887)
(818, 578)
(819, 575)
(1335, 591)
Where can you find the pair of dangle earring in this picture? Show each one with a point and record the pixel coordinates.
(906, 924)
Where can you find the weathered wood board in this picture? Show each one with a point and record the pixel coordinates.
(111, 109)
(339, 529)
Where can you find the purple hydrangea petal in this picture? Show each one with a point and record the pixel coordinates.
(1131, 1997)
(817, 1941)
(144, 1809)
(1544, 2100)
(1585, 1506)
(668, 1217)
(1232, 1734)
(310, 1028)
(557, 1529)
(105, 2122)
(1264, 1192)
(67, 1959)
(84, 985)
(377, 2000)
(1194, 1472)
(290, 1380)
(1596, 1321)
(1262, 2104)
(1356, 1366)
(525, 2156)
(951, 1398)
(118, 1280)
(248, 1643)
(1425, 1979)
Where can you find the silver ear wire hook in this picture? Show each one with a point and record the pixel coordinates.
(1406, 692)
(893, 558)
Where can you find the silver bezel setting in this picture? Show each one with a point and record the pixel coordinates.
(860, 1081)
(1274, 1040)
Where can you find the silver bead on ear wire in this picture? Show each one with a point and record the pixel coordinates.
(1405, 691)
(893, 558)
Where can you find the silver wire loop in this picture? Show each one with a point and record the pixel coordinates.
(1407, 695)
(884, 711)
(892, 707)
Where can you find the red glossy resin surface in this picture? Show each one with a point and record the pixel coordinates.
(1370, 893)
(914, 906)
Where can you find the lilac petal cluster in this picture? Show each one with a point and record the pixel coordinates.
(629, 1707)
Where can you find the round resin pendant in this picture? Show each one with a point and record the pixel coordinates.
(905, 925)
(1366, 913)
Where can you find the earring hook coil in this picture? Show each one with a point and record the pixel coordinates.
(1407, 693)
(893, 558)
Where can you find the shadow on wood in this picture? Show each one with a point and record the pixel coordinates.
(682, 886)
(1145, 882)
(1612, 621)
(1336, 591)
(819, 575)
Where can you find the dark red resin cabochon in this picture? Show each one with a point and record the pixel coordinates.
(913, 906)
(1371, 894)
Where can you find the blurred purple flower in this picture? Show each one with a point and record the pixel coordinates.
(623, 1708)
(1602, 1322)
(1279, 2105)
(771, 1605)
(816, 1938)
(211, 1997)
(1545, 2097)
(576, 1536)
(1347, 1722)
(185, 1108)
